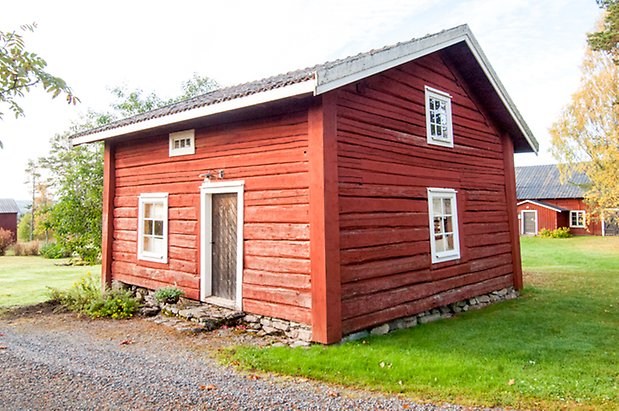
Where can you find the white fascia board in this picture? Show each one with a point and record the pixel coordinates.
(297, 89)
(558, 210)
(349, 72)
(500, 90)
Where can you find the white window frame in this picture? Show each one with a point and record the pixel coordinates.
(444, 193)
(189, 135)
(152, 198)
(207, 190)
(432, 93)
(584, 215)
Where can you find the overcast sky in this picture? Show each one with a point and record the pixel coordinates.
(535, 47)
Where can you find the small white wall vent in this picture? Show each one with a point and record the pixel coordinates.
(183, 143)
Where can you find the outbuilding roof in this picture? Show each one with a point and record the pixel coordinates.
(458, 43)
(544, 182)
(8, 206)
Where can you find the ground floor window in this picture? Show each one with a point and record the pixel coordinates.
(153, 227)
(443, 212)
(577, 219)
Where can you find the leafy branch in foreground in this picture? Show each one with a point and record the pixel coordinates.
(21, 70)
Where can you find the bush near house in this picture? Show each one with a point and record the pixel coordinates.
(561, 232)
(87, 297)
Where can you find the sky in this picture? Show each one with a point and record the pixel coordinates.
(536, 48)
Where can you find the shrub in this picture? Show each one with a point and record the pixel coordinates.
(168, 295)
(25, 249)
(6, 239)
(54, 250)
(86, 296)
(561, 232)
(116, 304)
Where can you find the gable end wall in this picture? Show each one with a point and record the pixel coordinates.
(385, 167)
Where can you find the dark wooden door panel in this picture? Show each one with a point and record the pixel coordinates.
(224, 245)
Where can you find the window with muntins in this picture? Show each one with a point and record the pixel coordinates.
(153, 227)
(443, 212)
(182, 143)
(577, 219)
(438, 118)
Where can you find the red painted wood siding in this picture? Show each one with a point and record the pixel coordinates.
(8, 221)
(385, 167)
(552, 220)
(270, 155)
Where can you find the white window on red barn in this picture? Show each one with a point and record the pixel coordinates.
(577, 218)
(153, 227)
(439, 126)
(443, 213)
(182, 143)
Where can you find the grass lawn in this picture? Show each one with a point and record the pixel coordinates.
(555, 347)
(23, 280)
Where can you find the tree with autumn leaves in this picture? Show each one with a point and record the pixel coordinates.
(585, 138)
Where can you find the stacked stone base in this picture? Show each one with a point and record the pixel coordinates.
(209, 317)
(446, 311)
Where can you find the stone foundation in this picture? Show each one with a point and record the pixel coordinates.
(446, 311)
(208, 317)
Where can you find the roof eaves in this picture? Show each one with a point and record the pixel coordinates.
(500, 89)
(545, 205)
(342, 72)
(273, 94)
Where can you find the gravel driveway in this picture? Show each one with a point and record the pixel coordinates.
(61, 362)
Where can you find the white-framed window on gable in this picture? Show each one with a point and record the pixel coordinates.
(182, 143)
(439, 126)
(577, 218)
(443, 213)
(153, 227)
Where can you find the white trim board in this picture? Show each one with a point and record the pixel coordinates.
(306, 87)
(537, 203)
(207, 190)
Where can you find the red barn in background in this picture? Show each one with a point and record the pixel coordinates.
(544, 202)
(8, 215)
(341, 196)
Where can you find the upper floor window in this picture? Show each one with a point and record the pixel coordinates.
(443, 211)
(153, 227)
(182, 143)
(438, 118)
(577, 219)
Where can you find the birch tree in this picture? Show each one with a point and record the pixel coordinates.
(585, 138)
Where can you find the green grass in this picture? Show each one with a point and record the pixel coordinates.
(24, 280)
(555, 347)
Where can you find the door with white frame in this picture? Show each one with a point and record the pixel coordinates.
(221, 250)
(528, 222)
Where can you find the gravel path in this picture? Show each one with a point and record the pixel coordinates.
(60, 362)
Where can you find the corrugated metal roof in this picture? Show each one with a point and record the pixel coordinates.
(544, 182)
(8, 205)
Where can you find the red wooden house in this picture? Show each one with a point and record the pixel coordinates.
(8, 215)
(545, 202)
(341, 196)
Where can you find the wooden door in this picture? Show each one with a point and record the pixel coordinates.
(224, 244)
(529, 222)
